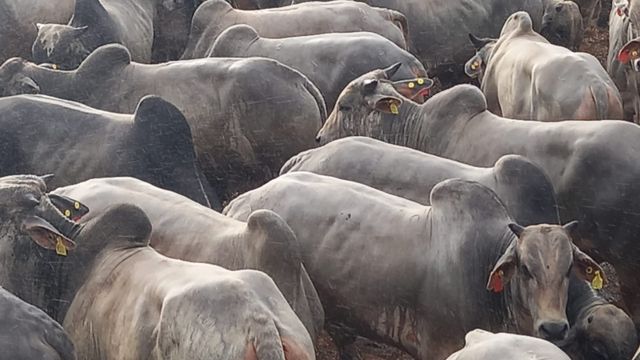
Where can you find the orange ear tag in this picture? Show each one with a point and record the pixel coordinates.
(60, 248)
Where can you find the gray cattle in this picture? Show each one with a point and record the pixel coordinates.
(444, 53)
(592, 165)
(214, 16)
(110, 288)
(185, 230)
(96, 23)
(315, 56)
(590, 10)
(521, 185)
(18, 19)
(247, 116)
(27, 333)
(43, 135)
(621, 32)
(389, 282)
(562, 24)
(484, 345)
(525, 77)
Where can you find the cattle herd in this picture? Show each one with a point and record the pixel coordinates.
(232, 179)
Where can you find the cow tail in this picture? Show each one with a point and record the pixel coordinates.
(601, 100)
(322, 107)
(400, 21)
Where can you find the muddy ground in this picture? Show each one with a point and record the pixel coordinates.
(595, 42)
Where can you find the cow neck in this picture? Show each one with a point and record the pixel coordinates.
(55, 83)
(581, 298)
(403, 129)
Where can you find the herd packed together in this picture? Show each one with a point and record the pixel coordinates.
(229, 179)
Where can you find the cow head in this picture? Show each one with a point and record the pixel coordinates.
(621, 7)
(562, 24)
(630, 54)
(476, 66)
(372, 91)
(14, 81)
(538, 263)
(602, 331)
(519, 22)
(60, 45)
(30, 222)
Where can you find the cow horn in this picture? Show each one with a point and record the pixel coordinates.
(477, 42)
(47, 178)
(516, 229)
(391, 70)
(370, 85)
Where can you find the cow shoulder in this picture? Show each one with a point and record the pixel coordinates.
(234, 41)
(105, 60)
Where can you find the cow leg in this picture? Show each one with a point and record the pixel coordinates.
(344, 341)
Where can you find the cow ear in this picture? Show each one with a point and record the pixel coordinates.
(46, 236)
(629, 52)
(503, 270)
(414, 89)
(571, 228)
(473, 67)
(27, 85)
(587, 269)
(388, 104)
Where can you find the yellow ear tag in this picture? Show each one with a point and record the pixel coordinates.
(54, 67)
(60, 248)
(597, 281)
(411, 85)
(76, 205)
(394, 109)
(634, 53)
(420, 81)
(67, 213)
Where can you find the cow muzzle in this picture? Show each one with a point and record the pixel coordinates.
(553, 331)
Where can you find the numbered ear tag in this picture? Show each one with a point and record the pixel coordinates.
(54, 67)
(67, 213)
(60, 248)
(76, 205)
(597, 281)
(394, 109)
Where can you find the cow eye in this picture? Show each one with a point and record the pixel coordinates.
(525, 271)
(344, 108)
(558, 7)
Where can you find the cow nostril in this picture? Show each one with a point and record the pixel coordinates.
(553, 330)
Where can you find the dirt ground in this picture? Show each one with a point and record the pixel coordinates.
(595, 42)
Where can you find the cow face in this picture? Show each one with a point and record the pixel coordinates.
(476, 66)
(602, 331)
(562, 24)
(29, 218)
(539, 263)
(13, 80)
(60, 45)
(630, 54)
(371, 92)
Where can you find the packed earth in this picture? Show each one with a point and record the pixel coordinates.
(331, 180)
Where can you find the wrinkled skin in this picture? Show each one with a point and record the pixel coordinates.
(562, 24)
(390, 267)
(188, 231)
(484, 345)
